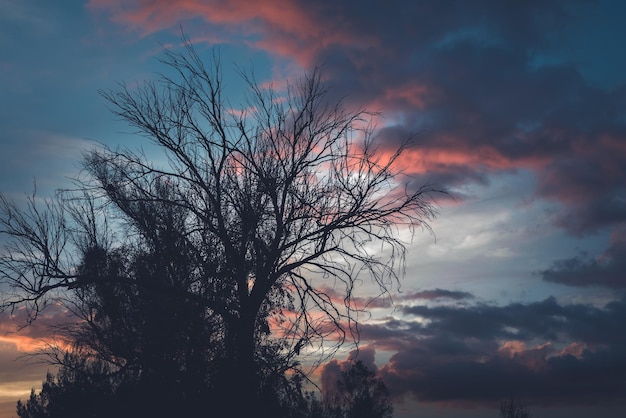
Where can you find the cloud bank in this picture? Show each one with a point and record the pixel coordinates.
(482, 85)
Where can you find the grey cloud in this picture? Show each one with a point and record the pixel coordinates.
(544, 352)
(608, 269)
(438, 294)
(591, 216)
(545, 320)
(561, 379)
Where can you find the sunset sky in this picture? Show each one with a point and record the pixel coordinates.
(518, 109)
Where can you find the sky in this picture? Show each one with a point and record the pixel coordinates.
(518, 109)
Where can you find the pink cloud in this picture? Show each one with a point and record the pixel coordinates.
(435, 159)
(576, 349)
(533, 358)
(282, 28)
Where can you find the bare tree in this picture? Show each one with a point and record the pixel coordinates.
(271, 206)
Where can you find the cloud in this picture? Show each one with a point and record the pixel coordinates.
(297, 29)
(530, 375)
(544, 320)
(608, 269)
(482, 86)
(329, 377)
(590, 216)
(19, 373)
(544, 352)
(438, 294)
(17, 368)
(39, 336)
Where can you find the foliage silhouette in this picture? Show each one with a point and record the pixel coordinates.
(81, 388)
(358, 394)
(212, 270)
(513, 409)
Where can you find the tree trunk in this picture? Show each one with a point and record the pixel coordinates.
(238, 385)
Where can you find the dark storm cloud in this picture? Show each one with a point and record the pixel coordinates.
(480, 84)
(545, 320)
(392, 335)
(590, 216)
(561, 379)
(544, 352)
(607, 269)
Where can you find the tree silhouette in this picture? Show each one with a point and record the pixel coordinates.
(81, 388)
(363, 394)
(513, 409)
(358, 393)
(224, 257)
(136, 313)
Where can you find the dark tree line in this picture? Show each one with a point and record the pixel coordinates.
(200, 280)
(86, 388)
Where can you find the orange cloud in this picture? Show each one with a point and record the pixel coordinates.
(534, 358)
(25, 344)
(575, 349)
(510, 348)
(38, 336)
